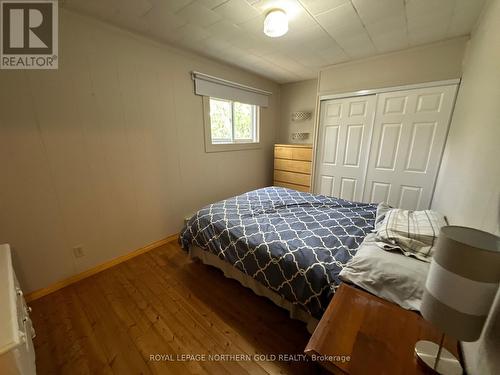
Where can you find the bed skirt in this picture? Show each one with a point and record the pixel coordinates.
(233, 273)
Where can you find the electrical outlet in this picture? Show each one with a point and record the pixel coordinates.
(78, 251)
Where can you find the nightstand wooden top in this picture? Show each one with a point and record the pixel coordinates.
(377, 335)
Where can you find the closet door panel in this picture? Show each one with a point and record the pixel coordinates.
(326, 185)
(409, 134)
(343, 141)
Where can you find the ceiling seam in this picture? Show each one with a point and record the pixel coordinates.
(221, 4)
(405, 2)
(451, 19)
(364, 27)
(322, 28)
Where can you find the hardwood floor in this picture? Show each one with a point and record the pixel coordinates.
(162, 303)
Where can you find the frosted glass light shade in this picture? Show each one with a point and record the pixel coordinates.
(276, 23)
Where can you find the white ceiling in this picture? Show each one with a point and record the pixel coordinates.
(321, 32)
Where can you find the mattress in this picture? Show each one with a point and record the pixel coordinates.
(294, 311)
(293, 243)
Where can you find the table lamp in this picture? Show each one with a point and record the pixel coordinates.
(461, 285)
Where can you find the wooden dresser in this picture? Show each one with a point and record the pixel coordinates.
(292, 166)
(17, 354)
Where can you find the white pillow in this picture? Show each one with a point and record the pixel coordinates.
(389, 275)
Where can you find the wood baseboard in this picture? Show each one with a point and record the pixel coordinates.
(101, 267)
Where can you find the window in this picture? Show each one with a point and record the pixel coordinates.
(230, 125)
(232, 122)
(231, 112)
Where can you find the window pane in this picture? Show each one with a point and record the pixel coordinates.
(220, 121)
(243, 121)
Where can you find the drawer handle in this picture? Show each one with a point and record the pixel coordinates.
(29, 309)
(33, 333)
(19, 292)
(22, 337)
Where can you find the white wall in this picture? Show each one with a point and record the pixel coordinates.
(108, 151)
(432, 62)
(468, 186)
(297, 96)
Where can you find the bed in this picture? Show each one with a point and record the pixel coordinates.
(287, 245)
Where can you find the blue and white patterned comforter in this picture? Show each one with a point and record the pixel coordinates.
(294, 243)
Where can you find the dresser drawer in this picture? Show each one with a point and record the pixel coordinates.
(282, 152)
(305, 189)
(294, 153)
(21, 308)
(293, 165)
(292, 178)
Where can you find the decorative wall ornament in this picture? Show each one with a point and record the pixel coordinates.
(300, 136)
(301, 115)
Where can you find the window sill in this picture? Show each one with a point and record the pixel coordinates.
(223, 147)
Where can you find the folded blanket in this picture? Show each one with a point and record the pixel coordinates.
(412, 232)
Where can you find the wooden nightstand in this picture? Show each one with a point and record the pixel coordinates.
(378, 336)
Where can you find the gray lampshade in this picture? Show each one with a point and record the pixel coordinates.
(463, 280)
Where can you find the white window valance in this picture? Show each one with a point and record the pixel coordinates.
(207, 85)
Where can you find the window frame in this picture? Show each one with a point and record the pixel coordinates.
(236, 144)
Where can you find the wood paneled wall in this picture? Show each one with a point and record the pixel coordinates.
(108, 151)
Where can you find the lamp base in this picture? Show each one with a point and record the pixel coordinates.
(448, 364)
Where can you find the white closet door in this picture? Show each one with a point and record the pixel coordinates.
(343, 139)
(409, 134)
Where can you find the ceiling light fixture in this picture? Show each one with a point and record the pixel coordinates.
(276, 23)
